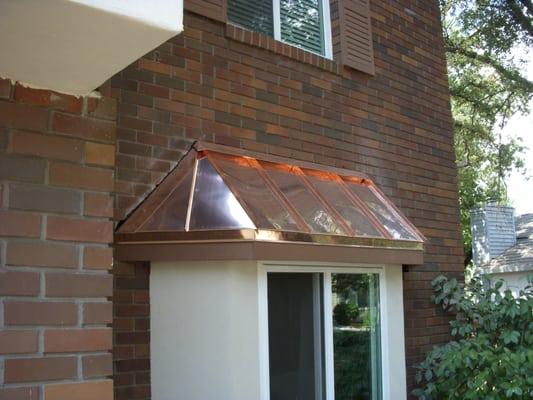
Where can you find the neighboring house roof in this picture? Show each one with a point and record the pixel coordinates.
(519, 257)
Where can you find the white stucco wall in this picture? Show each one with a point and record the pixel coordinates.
(205, 331)
(395, 351)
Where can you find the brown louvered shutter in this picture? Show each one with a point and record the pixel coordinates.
(356, 35)
(214, 9)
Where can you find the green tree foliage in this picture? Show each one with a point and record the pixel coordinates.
(491, 354)
(486, 44)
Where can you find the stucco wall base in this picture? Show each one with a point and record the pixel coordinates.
(205, 331)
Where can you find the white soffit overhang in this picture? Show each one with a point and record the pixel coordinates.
(73, 46)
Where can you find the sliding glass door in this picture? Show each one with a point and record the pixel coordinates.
(324, 334)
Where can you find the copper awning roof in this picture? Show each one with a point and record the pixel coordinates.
(221, 195)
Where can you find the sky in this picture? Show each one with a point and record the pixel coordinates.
(520, 190)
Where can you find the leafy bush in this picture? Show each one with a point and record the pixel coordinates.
(345, 313)
(491, 354)
(353, 367)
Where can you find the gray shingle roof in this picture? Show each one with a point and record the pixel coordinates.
(520, 256)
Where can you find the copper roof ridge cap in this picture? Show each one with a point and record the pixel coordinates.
(219, 148)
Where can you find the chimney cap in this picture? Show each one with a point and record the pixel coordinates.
(488, 206)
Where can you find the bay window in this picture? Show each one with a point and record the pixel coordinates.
(272, 281)
(301, 23)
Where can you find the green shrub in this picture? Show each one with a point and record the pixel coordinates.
(491, 354)
(345, 314)
(353, 367)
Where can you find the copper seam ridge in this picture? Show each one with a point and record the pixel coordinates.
(238, 152)
(170, 193)
(201, 154)
(359, 204)
(397, 213)
(232, 189)
(275, 190)
(334, 213)
(364, 208)
(191, 195)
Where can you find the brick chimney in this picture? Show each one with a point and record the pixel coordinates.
(493, 231)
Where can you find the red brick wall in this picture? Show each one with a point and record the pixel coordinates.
(131, 325)
(395, 126)
(57, 157)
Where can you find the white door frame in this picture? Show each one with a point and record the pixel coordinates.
(327, 269)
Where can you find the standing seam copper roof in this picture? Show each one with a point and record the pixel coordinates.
(219, 194)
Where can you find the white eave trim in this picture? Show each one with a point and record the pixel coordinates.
(73, 46)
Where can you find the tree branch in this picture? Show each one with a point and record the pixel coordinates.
(502, 71)
(528, 5)
(519, 17)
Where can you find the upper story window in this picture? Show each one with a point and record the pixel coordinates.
(301, 23)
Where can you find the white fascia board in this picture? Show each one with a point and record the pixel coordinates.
(167, 14)
(74, 46)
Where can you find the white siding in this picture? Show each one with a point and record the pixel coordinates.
(514, 281)
(493, 231)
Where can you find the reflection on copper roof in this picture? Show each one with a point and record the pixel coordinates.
(214, 188)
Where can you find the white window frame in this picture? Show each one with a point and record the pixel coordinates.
(326, 269)
(326, 26)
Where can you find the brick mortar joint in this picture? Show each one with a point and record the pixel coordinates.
(42, 384)
(3, 259)
(43, 355)
(2, 359)
(286, 48)
(56, 270)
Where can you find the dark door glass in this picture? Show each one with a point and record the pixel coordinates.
(295, 332)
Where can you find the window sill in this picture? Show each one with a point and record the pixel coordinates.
(269, 43)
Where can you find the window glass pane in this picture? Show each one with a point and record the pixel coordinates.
(386, 216)
(267, 211)
(303, 200)
(295, 321)
(301, 24)
(214, 206)
(356, 336)
(255, 15)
